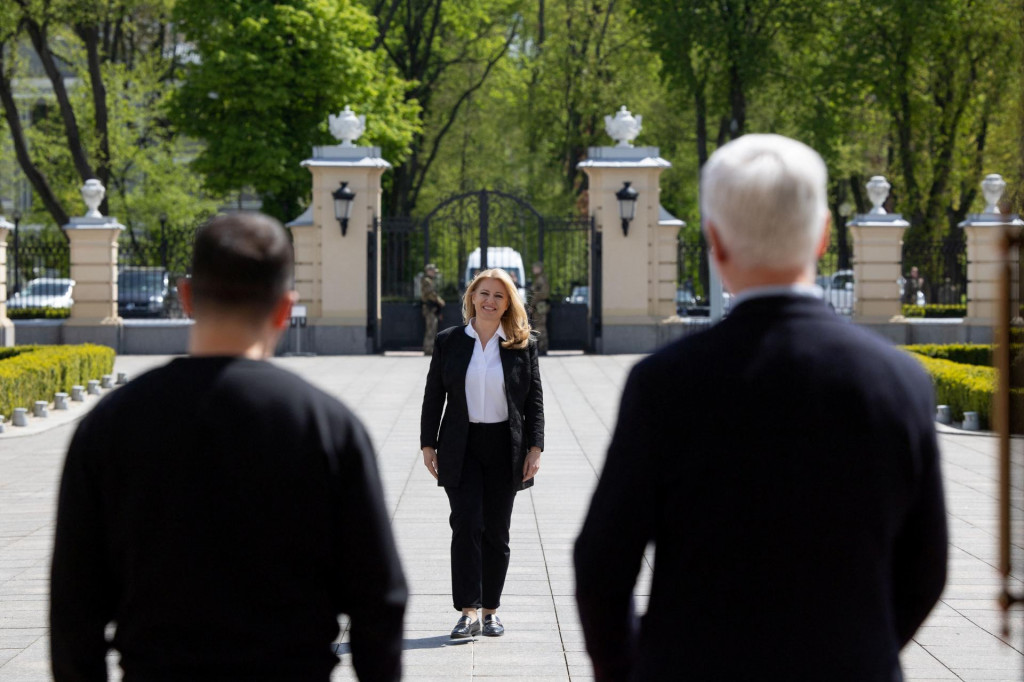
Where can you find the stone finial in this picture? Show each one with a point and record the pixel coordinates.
(878, 191)
(624, 127)
(93, 192)
(346, 126)
(993, 187)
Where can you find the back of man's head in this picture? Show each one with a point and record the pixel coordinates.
(242, 263)
(766, 197)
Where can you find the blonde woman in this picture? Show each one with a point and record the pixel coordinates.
(484, 379)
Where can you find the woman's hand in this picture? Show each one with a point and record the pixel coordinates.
(532, 464)
(430, 460)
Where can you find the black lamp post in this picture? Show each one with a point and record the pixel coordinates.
(627, 206)
(343, 197)
(16, 216)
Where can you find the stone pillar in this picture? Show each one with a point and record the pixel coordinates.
(93, 238)
(331, 268)
(6, 326)
(877, 259)
(985, 233)
(639, 271)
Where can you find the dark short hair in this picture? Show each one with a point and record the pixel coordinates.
(241, 262)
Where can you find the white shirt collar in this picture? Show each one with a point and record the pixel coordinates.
(807, 290)
(470, 331)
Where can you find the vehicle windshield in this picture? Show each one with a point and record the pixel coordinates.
(45, 289)
(142, 282)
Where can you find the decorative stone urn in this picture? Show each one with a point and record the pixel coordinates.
(993, 187)
(93, 192)
(624, 127)
(878, 191)
(346, 126)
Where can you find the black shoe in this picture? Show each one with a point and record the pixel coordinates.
(493, 626)
(466, 628)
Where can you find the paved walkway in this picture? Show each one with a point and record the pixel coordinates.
(960, 640)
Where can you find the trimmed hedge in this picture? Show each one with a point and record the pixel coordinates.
(38, 313)
(934, 310)
(34, 373)
(969, 388)
(978, 354)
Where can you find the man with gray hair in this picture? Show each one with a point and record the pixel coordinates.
(798, 521)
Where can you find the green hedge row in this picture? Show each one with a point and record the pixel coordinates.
(969, 388)
(934, 310)
(38, 313)
(31, 373)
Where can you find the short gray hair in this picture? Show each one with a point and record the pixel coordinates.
(767, 196)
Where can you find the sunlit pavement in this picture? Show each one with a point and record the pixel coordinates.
(543, 641)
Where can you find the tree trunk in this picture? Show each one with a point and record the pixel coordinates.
(90, 36)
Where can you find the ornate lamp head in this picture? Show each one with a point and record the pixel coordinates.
(878, 191)
(624, 127)
(993, 187)
(346, 126)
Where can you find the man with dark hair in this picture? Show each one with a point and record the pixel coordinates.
(219, 511)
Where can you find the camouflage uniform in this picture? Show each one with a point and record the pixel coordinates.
(431, 306)
(540, 293)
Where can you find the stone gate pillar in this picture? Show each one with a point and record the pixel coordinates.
(6, 326)
(877, 259)
(639, 269)
(93, 241)
(985, 258)
(331, 267)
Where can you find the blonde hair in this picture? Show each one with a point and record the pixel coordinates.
(514, 321)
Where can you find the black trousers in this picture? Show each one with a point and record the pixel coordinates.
(481, 514)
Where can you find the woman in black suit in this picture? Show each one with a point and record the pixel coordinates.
(487, 447)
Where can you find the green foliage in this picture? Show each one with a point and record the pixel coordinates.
(31, 373)
(978, 354)
(38, 313)
(934, 310)
(265, 78)
(969, 388)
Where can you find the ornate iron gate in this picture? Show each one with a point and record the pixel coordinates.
(474, 231)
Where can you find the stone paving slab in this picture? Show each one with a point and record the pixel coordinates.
(961, 640)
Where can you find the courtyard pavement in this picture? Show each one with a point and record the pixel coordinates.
(960, 641)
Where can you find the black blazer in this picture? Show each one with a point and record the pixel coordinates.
(784, 464)
(446, 383)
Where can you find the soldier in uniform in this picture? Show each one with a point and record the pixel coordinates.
(432, 303)
(540, 293)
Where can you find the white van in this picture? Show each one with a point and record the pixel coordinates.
(504, 257)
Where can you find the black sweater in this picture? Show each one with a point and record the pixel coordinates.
(223, 512)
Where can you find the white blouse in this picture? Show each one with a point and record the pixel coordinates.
(485, 380)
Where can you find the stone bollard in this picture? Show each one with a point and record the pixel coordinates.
(122, 378)
(78, 393)
(107, 381)
(943, 414)
(20, 417)
(94, 387)
(39, 409)
(971, 422)
(60, 401)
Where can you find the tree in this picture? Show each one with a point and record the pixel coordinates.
(263, 80)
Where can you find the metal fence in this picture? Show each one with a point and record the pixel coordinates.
(39, 276)
(935, 271)
(148, 270)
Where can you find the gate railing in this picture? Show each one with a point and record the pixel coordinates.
(34, 269)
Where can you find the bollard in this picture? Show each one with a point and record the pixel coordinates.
(107, 382)
(943, 414)
(39, 409)
(94, 387)
(20, 417)
(2, 427)
(78, 393)
(60, 401)
(971, 422)
(122, 378)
